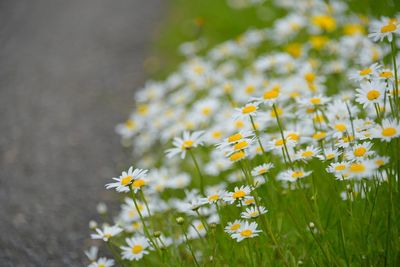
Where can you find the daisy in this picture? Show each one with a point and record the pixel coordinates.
(385, 74)
(270, 96)
(238, 194)
(360, 151)
(237, 156)
(370, 93)
(249, 109)
(360, 169)
(107, 232)
(127, 178)
(253, 212)
(247, 202)
(379, 161)
(279, 144)
(181, 145)
(215, 197)
(385, 28)
(102, 262)
(246, 230)
(262, 169)
(365, 74)
(233, 227)
(387, 131)
(338, 169)
(329, 154)
(293, 175)
(234, 138)
(308, 153)
(136, 249)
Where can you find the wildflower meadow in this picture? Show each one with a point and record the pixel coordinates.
(279, 147)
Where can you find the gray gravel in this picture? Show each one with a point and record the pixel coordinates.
(67, 74)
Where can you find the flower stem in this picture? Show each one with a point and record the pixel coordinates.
(198, 171)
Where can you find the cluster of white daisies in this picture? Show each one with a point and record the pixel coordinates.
(211, 133)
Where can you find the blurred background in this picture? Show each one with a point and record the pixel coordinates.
(68, 71)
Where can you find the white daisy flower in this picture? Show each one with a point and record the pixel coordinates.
(338, 169)
(307, 154)
(387, 131)
(365, 74)
(262, 169)
(253, 212)
(246, 230)
(360, 169)
(233, 227)
(126, 178)
(102, 262)
(215, 197)
(359, 151)
(380, 161)
(181, 145)
(239, 193)
(250, 109)
(107, 232)
(136, 249)
(293, 175)
(385, 28)
(370, 93)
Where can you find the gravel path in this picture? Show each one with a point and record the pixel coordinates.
(67, 73)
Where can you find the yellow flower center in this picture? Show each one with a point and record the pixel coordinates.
(235, 226)
(390, 27)
(216, 134)
(379, 162)
(340, 167)
(389, 131)
(136, 249)
(315, 100)
(126, 180)
(262, 170)
(340, 127)
(239, 194)
(360, 151)
(249, 201)
(138, 183)
(279, 112)
(248, 109)
(330, 156)
(246, 233)
(365, 71)
(200, 226)
(279, 142)
(101, 265)
(213, 197)
(198, 69)
(235, 138)
(307, 153)
(206, 111)
(129, 124)
(254, 214)
(250, 89)
(325, 22)
(373, 94)
(293, 136)
(271, 94)
(319, 135)
(107, 235)
(239, 124)
(297, 174)
(142, 109)
(241, 145)
(309, 77)
(386, 74)
(357, 167)
(237, 156)
(187, 144)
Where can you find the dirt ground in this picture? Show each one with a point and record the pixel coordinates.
(67, 74)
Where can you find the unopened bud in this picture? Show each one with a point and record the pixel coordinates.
(157, 234)
(180, 220)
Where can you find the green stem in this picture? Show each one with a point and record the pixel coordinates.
(198, 171)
